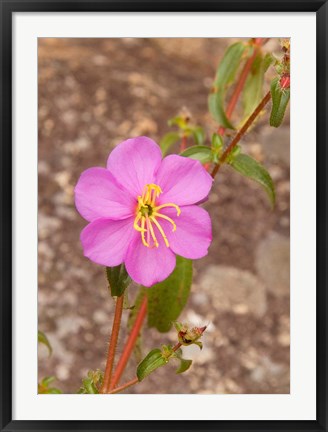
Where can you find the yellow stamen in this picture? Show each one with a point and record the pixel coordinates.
(166, 218)
(152, 232)
(147, 213)
(135, 225)
(143, 220)
(168, 205)
(160, 229)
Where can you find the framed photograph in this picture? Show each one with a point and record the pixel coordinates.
(163, 215)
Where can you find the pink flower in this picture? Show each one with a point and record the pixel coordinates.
(143, 210)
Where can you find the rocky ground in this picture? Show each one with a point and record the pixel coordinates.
(93, 93)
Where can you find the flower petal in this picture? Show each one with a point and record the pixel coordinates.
(106, 241)
(183, 181)
(134, 163)
(193, 234)
(149, 265)
(97, 194)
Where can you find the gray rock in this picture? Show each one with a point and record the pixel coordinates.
(272, 262)
(234, 290)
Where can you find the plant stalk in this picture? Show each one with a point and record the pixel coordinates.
(124, 386)
(112, 345)
(130, 343)
(241, 133)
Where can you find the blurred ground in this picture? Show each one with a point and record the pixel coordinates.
(94, 93)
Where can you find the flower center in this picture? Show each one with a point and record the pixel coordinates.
(148, 213)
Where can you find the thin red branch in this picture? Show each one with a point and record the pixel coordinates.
(112, 345)
(130, 343)
(124, 386)
(241, 133)
(183, 144)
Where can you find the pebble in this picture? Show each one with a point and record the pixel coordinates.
(272, 261)
(234, 290)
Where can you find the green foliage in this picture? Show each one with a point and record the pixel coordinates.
(184, 363)
(253, 90)
(280, 99)
(157, 358)
(216, 108)
(42, 338)
(118, 279)
(92, 383)
(198, 134)
(225, 76)
(180, 120)
(168, 141)
(199, 152)
(167, 299)
(229, 65)
(43, 386)
(186, 130)
(249, 167)
(217, 147)
(153, 360)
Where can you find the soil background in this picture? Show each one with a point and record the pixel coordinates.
(95, 93)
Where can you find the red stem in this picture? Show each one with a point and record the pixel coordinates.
(112, 345)
(183, 144)
(124, 386)
(241, 132)
(130, 343)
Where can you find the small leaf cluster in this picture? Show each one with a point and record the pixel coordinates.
(157, 358)
(92, 383)
(43, 386)
(118, 280)
(42, 338)
(186, 129)
(160, 357)
(280, 86)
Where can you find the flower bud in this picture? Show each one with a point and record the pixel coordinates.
(285, 81)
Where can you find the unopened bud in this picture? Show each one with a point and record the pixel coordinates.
(285, 81)
(189, 336)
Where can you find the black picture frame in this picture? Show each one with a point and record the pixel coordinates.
(7, 8)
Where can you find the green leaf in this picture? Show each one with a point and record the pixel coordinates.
(198, 134)
(153, 360)
(184, 363)
(229, 65)
(169, 140)
(48, 380)
(92, 383)
(42, 338)
(253, 89)
(201, 153)
(249, 167)
(89, 386)
(167, 299)
(217, 147)
(280, 99)
(54, 390)
(118, 279)
(180, 121)
(43, 387)
(216, 108)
